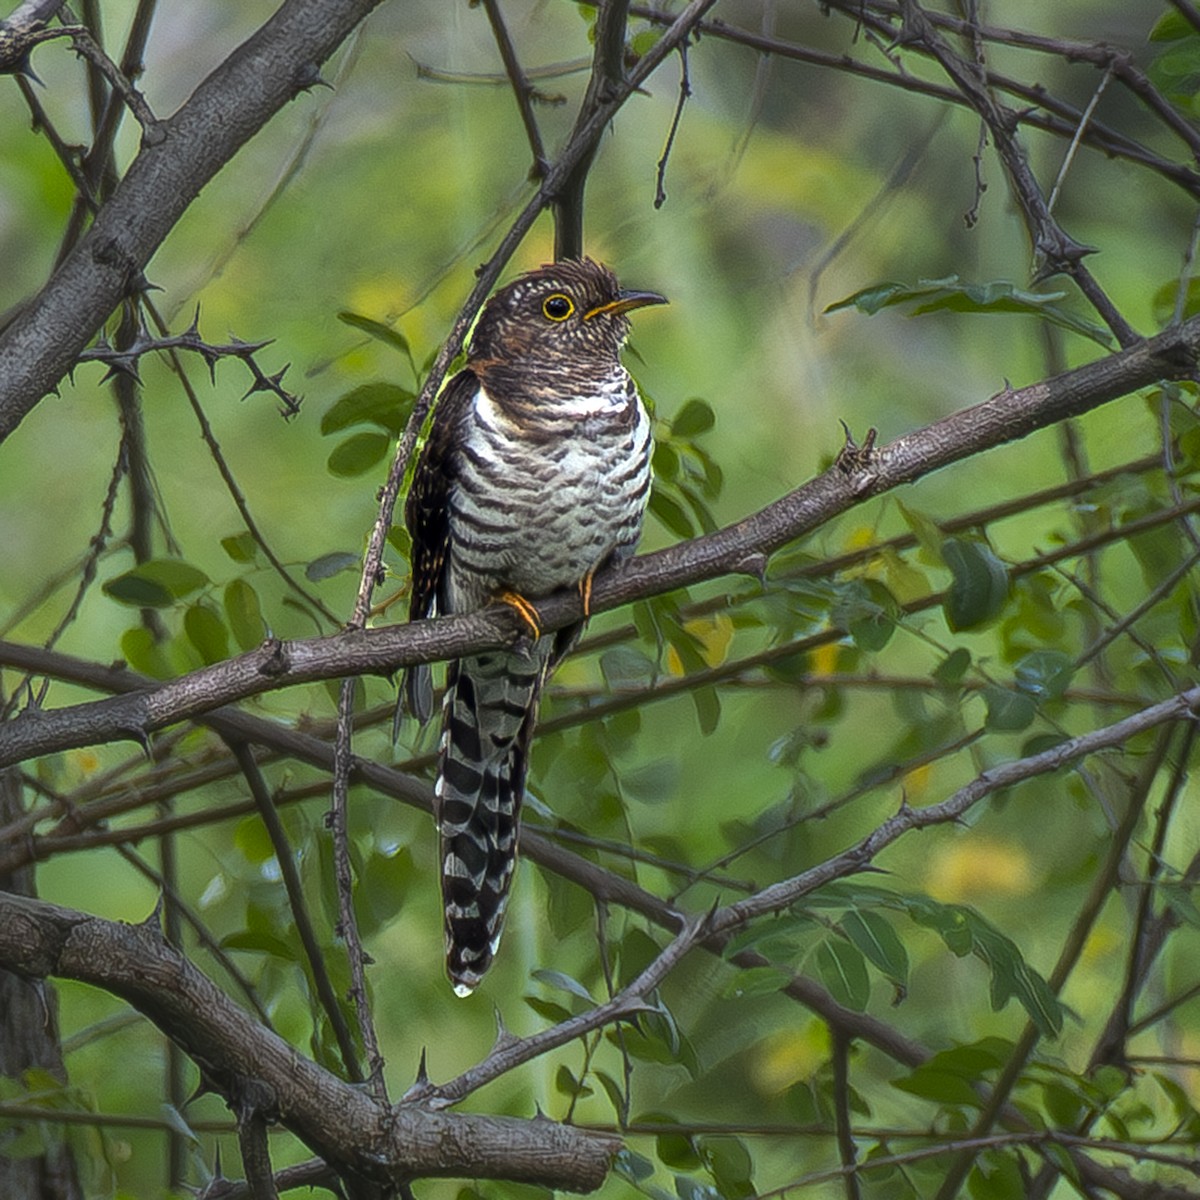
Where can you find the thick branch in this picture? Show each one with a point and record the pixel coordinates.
(178, 157)
(1009, 415)
(256, 1070)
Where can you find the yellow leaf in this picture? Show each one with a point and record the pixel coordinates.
(979, 866)
(824, 658)
(86, 761)
(712, 634)
(788, 1057)
(860, 537)
(916, 781)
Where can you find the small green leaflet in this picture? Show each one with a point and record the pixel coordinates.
(980, 587)
(950, 294)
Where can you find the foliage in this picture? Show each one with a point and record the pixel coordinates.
(995, 999)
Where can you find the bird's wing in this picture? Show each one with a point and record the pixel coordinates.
(427, 517)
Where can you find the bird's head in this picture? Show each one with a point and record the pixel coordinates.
(573, 310)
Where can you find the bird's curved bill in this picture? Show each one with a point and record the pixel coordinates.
(624, 302)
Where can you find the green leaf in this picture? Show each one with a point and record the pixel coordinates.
(642, 42)
(875, 937)
(384, 404)
(996, 1176)
(943, 1087)
(251, 838)
(567, 1085)
(144, 654)
(707, 702)
(868, 612)
(671, 513)
(244, 611)
(927, 532)
(844, 972)
(378, 330)
(950, 671)
(383, 882)
(666, 462)
(564, 983)
(261, 942)
(612, 1089)
(206, 631)
(677, 1150)
(980, 584)
(694, 418)
(241, 547)
(552, 1012)
(755, 981)
(331, 564)
(632, 1166)
(1170, 27)
(1044, 674)
(951, 295)
(652, 782)
(626, 666)
(156, 584)
(730, 1165)
(358, 454)
(1166, 299)
(1008, 711)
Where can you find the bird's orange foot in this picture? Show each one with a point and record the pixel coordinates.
(528, 613)
(585, 592)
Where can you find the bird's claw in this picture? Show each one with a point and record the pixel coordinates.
(526, 611)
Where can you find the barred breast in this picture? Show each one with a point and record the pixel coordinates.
(547, 494)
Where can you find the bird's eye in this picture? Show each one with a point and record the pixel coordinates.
(557, 307)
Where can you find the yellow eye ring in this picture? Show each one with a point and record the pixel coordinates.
(557, 307)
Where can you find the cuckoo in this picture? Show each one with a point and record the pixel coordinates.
(534, 476)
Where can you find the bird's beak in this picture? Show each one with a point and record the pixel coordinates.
(624, 302)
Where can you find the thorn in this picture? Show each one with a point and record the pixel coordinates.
(503, 1037)
(122, 364)
(153, 923)
(142, 738)
(23, 67)
(309, 76)
(420, 1086)
(754, 565)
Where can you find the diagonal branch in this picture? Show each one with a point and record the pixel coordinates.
(742, 547)
(258, 1072)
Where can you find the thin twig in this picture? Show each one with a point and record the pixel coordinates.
(685, 90)
(1069, 156)
(523, 90)
(347, 919)
(301, 916)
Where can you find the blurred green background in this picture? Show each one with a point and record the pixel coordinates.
(790, 186)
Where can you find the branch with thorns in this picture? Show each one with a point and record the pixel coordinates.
(125, 360)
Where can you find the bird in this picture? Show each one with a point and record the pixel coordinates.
(534, 475)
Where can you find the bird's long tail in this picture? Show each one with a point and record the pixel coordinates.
(487, 719)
